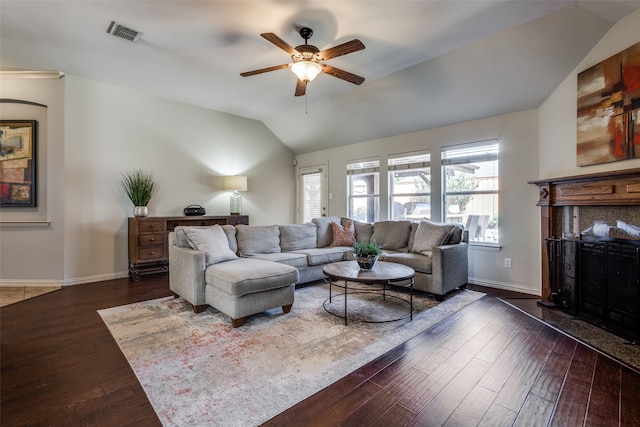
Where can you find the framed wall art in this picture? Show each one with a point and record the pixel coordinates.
(609, 109)
(18, 142)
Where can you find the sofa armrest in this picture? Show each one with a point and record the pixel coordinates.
(187, 274)
(450, 266)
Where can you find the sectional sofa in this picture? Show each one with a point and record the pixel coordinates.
(248, 269)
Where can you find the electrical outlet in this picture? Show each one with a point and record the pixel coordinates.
(507, 263)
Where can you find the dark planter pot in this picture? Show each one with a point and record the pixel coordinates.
(367, 263)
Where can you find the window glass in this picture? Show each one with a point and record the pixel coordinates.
(363, 183)
(410, 186)
(470, 180)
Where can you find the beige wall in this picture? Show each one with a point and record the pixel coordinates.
(558, 131)
(518, 136)
(32, 239)
(109, 130)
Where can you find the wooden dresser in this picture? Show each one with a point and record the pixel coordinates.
(148, 239)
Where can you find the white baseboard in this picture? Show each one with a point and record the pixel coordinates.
(96, 278)
(504, 286)
(14, 283)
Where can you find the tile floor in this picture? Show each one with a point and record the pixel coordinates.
(619, 348)
(10, 294)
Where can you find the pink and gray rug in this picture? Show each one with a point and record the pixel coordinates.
(197, 370)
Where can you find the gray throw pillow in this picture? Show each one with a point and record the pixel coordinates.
(210, 240)
(430, 234)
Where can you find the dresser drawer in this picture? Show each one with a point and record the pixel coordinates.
(146, 253)
(150, 239)
(151, 226)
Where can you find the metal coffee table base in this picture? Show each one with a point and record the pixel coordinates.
(381, 291)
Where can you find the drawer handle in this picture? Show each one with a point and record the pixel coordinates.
(151, 253)
(152, 239)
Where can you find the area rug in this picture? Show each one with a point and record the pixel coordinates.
(198, 370)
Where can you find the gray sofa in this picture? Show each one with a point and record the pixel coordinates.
(262, 264)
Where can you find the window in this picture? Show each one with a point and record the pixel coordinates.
(363, 186)
(470, 179)
(410, 186)
(311, 196)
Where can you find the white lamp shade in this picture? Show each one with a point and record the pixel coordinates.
(306, 70)
(235, 183)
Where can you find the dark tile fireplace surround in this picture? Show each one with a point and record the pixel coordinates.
(590, 243)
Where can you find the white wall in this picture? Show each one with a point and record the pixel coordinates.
(109, 130)
(31, 239)
(518, 135)
(558, 131)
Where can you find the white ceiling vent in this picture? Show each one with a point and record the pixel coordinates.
(123, 32)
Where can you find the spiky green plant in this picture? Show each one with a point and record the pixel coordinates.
(139, 187)
(365, 249)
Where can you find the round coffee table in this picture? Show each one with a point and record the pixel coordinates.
(381, 277)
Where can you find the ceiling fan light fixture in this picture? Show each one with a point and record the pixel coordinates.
(306, 70)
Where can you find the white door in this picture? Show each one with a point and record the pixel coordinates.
(312, 197)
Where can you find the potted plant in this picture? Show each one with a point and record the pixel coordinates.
(139, 187)
(367, 254)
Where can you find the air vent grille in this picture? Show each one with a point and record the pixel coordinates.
(123, 32)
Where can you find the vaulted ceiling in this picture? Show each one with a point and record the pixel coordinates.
(426, 63)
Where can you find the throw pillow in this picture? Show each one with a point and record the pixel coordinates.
(212, 241)
(430, 234)
(343, 236)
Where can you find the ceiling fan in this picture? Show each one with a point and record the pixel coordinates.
(308, 60)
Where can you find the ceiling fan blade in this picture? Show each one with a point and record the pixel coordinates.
(301, 87)
(341, 74)
(342, 49)
(264, 70)
(280, 43)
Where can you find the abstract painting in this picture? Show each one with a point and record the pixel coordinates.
(18, 163)
(609, 109)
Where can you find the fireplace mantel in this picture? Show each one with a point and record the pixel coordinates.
(614, 188)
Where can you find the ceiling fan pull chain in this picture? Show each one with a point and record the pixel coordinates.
(306, 103)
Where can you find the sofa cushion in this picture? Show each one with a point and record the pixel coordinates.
(326, 255)
(181, 238)
(420, 263)
(364, 230)
(297, 236)
(343, 235)
(325, 236)
(412, 236)
(257, 239)
(430, 234)
(230, 231)
(288, 258)
(210, 240)
(391, 234)
(244, 276)
(456, 235)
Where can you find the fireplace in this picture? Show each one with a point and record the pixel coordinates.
(590, 247)
(598, 280)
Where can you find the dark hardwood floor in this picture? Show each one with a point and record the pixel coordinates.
(487, 365)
